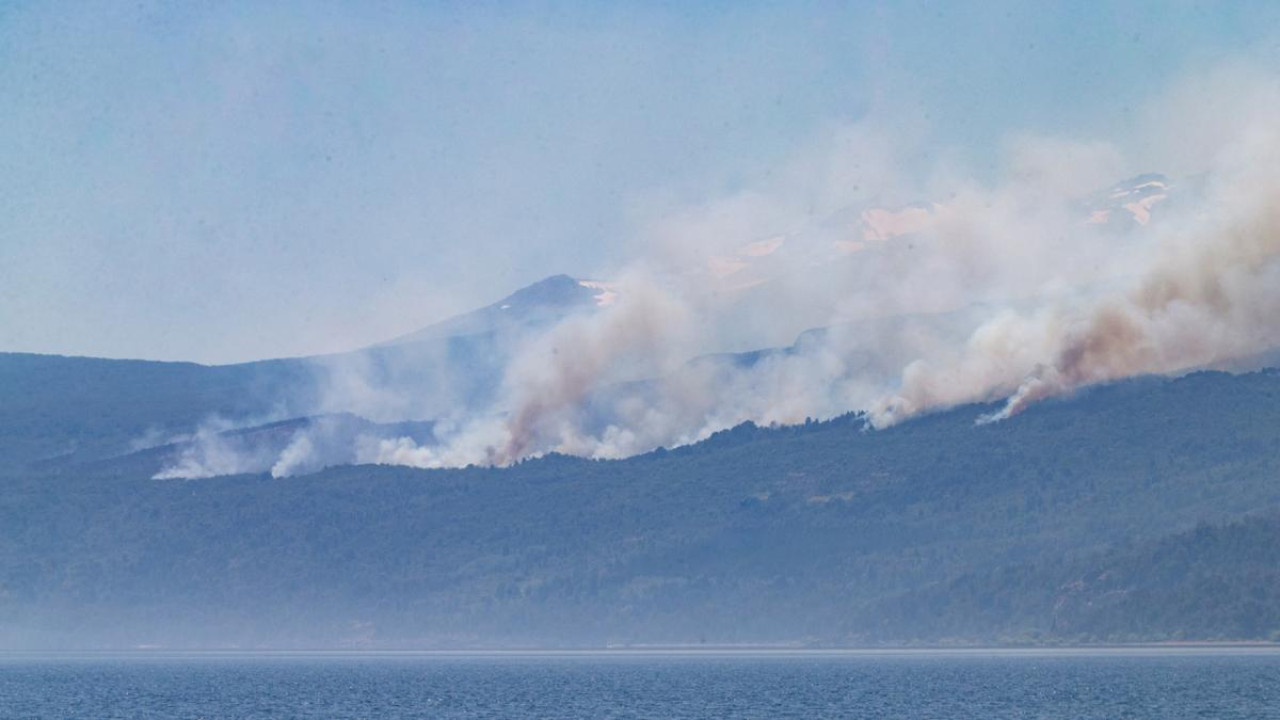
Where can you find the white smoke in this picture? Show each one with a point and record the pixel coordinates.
(931, 288)
(213, 450)
(998, 291)
(282, 448)
(1202, 291)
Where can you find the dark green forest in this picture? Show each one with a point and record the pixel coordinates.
(1139, 511)
(1214, 583)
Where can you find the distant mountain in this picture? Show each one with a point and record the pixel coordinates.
(77, 408)
(1130, 202)
(84, 408)
(72, 407)
(537, 306)
(824, 533)
(851, 231)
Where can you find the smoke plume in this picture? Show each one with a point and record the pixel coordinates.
(857, 278)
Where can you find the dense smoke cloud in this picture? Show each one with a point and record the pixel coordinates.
(214, 449)
(552, 377)
(1018, 290)
(1202, 291)
(880, 287)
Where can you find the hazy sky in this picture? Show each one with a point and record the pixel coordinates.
(231, 181)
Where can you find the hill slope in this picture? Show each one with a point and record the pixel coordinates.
(53, 406)
(1216, 582)
(756, 535)
(83, 408)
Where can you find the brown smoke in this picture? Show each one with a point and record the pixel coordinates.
(1006, 293)
(551, 381)
(1209, 297)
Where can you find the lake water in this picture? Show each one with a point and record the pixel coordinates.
(1217, 684)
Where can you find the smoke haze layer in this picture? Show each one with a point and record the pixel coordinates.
(876, 290)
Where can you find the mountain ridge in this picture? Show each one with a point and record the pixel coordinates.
(788, 534)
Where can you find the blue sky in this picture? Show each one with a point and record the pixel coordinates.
(224, 182)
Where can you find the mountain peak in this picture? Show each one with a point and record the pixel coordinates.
(554, 291)
(543, 302)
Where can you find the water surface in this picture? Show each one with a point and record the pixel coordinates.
(1219, 684)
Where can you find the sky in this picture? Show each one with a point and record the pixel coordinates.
(235, 181)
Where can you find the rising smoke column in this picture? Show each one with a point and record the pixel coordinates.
(544, 401)
(551, 382)
(1207, 292)
(1198, 289)
(1000, 291)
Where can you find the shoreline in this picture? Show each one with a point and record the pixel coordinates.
(675, 651)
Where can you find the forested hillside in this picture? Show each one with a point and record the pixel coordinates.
(825, 533)
(1216, 582)
(52, 406)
